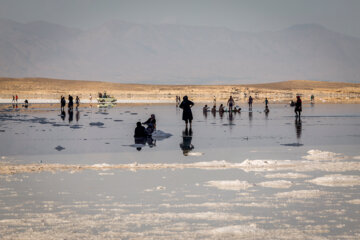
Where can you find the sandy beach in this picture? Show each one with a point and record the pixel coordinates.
(41, 90)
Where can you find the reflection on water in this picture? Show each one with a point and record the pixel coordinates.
(298, 128)
(77, 116)
(63, 115)
(71, 115)
(186, 145)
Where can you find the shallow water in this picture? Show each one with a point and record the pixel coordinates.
(248, 175)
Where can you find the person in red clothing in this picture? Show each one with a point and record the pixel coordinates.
(16, 98)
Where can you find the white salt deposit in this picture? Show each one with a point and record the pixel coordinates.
(337, 180)
(301, 194)
(287, 175)
(195, 154)
(233, 185)
(354, 201)
(318, 155)
(276, 184)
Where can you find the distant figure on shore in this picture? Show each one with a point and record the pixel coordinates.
(26, 103)
(292, 103)
(312, 98)
(16, 98)
(151, 124)
(298, 107)
(250, 102)
(13, 100)
(237, 109)
(62, 102)
(230, 103)
(90, 98)
(187, 116)
(215, 101)
(71, 103)
(213, 109)
(77, 100)
(221, 108)
(140, 131)
(186, 145)
(266, 102)
(205, 108)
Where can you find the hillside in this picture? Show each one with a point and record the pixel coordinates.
(125, 52)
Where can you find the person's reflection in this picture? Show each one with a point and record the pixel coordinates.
(250, 116)
(205, 114)
(298, 128)
(221, 114)
(151, 142)
(71, 116)
(186, 145)
(231, 118)
(77, 115)
(213, 111)
(140, 142)
(63, 115)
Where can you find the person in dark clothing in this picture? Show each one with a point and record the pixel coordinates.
(298, 107)
(151, 124)
(250, 102)
(62, 102)
(186, 105)
(71, 103)
(140, 131)
(266, 102)
(77, 100)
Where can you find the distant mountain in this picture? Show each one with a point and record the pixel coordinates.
(137, 53)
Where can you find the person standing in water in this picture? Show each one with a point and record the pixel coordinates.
(266, 102)
(186, 105)
(71, 103)
(90, 98)
(16, 98)
(312, 99)
(298, 107)
(250, 102)
(62, 103)
(77, 100)
(215, 101)
(230, 103)
(13, 99)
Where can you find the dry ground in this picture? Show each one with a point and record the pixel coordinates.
(44, 88)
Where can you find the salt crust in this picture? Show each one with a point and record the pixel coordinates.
(230, 185)
(247, 165)
(354, 201)
(276, 184)
(287, 175)
(318, 155)
(337, 180)
(301, 194)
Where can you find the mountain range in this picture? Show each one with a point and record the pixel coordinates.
(125, 52)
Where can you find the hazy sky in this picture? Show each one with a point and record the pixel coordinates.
(244, 15)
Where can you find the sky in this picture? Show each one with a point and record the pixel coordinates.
(242, 15)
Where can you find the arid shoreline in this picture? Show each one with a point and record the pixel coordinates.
(43, 89)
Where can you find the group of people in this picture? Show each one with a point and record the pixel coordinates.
(232, 107)
(70, 103)
(15, 98)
